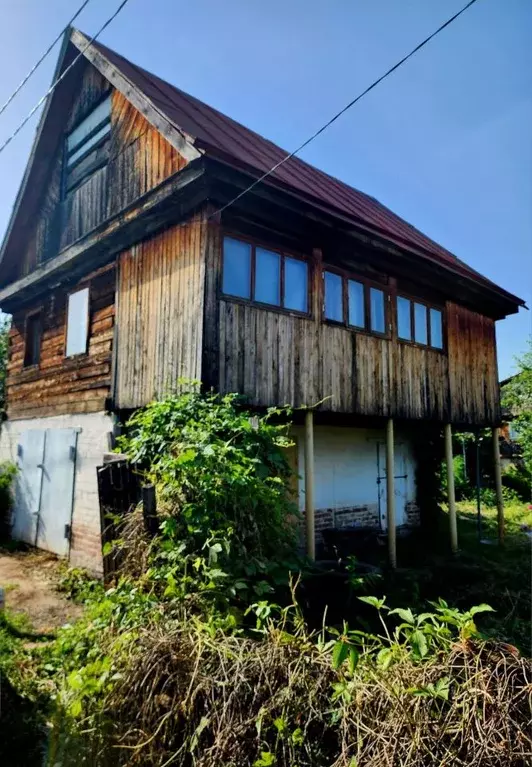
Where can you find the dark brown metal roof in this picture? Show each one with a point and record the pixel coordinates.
(226, 139)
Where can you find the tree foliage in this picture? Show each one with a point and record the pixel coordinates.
(517, 397)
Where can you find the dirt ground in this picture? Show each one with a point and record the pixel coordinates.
(27, 578)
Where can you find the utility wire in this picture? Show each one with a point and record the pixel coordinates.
(45, 54)
(61, 78)
(342, 111)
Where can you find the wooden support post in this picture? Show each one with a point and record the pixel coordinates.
(450, 487)
(309, 484)
(149, 510)
(498, 485)
(390, 494)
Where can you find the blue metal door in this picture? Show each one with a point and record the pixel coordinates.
(45, 488)
(55, 512)
(30, 454)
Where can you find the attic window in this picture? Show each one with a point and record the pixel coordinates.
(87, 146)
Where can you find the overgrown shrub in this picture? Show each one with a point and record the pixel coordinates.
(8, 472)
(228, 522)
(520, 481)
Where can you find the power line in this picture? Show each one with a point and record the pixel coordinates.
(61, 78)
(342, 111)
(45, 54)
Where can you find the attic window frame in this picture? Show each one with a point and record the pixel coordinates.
(103, 143)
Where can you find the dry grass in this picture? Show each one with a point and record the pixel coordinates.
(188, 698)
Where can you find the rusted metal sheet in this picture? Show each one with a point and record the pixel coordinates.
(58, 385)
(160, 314)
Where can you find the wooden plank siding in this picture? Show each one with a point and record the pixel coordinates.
(139, 160)
(160, 314)
(277, 358)
(58, 384)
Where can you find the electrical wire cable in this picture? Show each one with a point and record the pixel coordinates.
(62, 77)
(43, 57)
(344, 110)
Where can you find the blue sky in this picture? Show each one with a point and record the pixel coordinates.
(445, 141)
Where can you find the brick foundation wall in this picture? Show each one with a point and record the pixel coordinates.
(93, 442)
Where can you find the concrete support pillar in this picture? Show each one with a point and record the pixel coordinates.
(390, 494)
(309, 484)
(498, 485)
(451, 500)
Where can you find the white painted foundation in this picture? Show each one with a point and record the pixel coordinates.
(93, 442)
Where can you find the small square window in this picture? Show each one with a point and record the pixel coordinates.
(237, 268)
(334, 305)
(377, 313)
(77, 322)
(355, 296)
(295, 284)
(267, 277)
(32, 349)
(420, 323)
(404, 325)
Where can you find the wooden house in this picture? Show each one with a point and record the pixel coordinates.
(134, 260)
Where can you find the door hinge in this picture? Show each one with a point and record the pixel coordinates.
(72, 452)
(67, 532)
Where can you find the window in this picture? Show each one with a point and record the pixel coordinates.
(354, 303)
(77, 322)
(265, 276)
(32, 350)
(420, 323)
(87, 146)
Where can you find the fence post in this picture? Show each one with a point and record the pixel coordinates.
(149, 510)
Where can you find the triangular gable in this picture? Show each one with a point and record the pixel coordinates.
(50, 131)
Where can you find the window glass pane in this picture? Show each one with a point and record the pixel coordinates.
(77, 322)
(334, 309)
(356, 304)
(404, 328)
(295, 285)
(237, 268)
(98, 115)
(88, 144)
(267, 277)
(32, 351)
(420, 323)
(436, 329)
(376, 302)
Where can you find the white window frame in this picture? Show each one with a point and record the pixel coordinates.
(77, 343)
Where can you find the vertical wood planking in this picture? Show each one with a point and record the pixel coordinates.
(160, 326)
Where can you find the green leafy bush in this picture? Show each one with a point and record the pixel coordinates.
(520, 481)
(228, 522)
(8, 472)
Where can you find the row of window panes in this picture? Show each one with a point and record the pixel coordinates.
(420, 323)
(346, 300)
(354, 313)
(274, 274)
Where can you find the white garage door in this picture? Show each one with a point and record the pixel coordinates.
(44, 488)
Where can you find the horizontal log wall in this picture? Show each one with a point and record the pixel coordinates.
(58, 384)
(275, 358)
(160, 314)
(139, 159)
